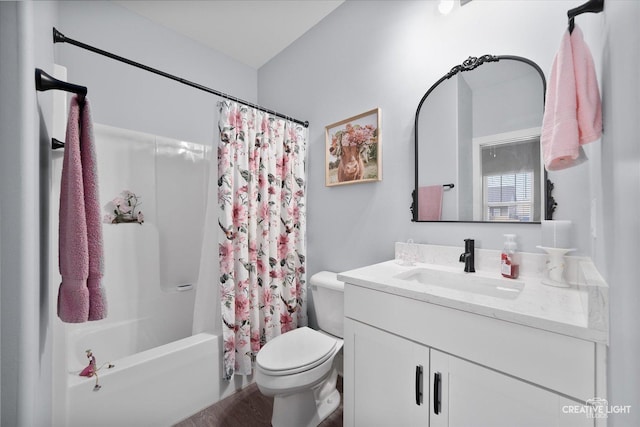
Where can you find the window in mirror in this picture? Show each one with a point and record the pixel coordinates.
(510, 187)
(509, 197)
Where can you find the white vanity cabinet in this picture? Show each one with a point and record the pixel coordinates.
(472, 395)
(389, 380)
(478, 370)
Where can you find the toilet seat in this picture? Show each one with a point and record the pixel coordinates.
(295, 351)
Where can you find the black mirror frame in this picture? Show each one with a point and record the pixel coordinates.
(469, 64)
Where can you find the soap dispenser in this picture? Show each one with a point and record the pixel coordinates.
(510, 259)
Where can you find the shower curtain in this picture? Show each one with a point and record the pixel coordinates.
(261, 237)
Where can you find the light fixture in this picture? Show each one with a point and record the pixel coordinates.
(445, 6)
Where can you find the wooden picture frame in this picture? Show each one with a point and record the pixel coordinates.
(353, 150)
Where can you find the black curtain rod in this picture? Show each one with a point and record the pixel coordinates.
(58, 37)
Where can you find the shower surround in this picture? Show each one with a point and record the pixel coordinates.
(151, 270)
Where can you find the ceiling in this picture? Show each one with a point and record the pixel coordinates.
(250, 31)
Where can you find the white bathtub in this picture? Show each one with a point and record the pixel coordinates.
(156, 387)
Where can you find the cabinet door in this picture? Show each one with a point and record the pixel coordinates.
(384, 376)
(472, 395)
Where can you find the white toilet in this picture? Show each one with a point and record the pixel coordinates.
(298, 367)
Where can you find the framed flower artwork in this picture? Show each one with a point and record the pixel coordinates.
(353, 152)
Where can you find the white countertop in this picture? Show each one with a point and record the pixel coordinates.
(579, 311)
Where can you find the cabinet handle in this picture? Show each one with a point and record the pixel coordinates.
(436, 392)
(418, 385)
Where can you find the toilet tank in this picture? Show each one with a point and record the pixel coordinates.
(328, 302)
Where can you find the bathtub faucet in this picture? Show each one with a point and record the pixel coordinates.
(468, 256)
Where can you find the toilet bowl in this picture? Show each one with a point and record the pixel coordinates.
(298, 368)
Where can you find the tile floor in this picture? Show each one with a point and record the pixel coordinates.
(247, 408)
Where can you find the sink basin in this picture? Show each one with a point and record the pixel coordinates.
(465, 282)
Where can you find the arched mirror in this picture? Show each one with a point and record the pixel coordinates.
(477, 144)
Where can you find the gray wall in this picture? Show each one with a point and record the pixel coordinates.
(366, 54)
(121, 96)
(130, 98)
(25, 34)
(619, 175)
(387, 54)
(391, 54)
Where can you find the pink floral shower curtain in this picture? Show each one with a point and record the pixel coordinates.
(261, 198)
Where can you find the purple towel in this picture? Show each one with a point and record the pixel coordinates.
(81, 296)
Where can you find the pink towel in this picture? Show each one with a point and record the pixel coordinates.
(587, 92)
(572, 114)
(81, 296)
(430, 203)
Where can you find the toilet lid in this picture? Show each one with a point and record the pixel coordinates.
(296, 351)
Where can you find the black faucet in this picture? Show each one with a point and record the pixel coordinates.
(467, 257)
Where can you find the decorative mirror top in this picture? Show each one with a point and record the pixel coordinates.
(471, 63)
